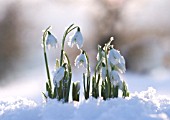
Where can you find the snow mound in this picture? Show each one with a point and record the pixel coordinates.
(146, 105)
(18, 109)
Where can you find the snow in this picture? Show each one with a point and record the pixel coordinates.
(146, 105)
(141, 105)
(158, 79)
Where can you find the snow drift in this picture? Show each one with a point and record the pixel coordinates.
(146, 105)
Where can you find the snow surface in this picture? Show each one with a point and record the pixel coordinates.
(146, 105)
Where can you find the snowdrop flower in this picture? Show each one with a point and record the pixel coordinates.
(51, 40)
(81, 60)
(116, 80)
(77, 39)
(121, 65)
(114, 77)
(115, 59)
(59, 75)
(114, 56)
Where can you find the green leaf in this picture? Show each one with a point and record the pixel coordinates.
(84, 84)
(103, 90)
(106, 90)
(115, 91)
(55, 92)
(98, 80)
(125, 90)
(48, 89)
(75, 91)
(68, 76)
(44, 96)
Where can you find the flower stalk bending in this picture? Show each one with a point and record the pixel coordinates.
(48, 84)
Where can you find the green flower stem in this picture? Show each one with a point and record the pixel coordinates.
(75, 91)
(115, 90)
(88, 75)
(63, 83)
(103, 90)
(68, 30)
(64, 87)
(100, 61)
(55, 92)
(125, 90)
(107, 73)
(88, 64)
(96, 77)
(65, 34)
(106, 90)
(96, 68)
(70, 77)
(59, 91)
(45, 57)
(84, 84)
(61, 57)
(95, 81)
(107, 46)
(72, 29)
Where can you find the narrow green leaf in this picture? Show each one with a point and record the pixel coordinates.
(44, 95)
(116, 89)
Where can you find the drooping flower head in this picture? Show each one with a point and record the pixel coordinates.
(81, 60)
(59, 74)
(121, 65)
(77, 39)
(51, 40)
(115, 59)
(114, 56)
(115, 79)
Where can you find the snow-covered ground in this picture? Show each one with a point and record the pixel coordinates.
(146, 105)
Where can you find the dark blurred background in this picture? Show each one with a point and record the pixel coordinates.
(141, 29)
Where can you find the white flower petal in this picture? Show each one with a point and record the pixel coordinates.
(112, 60)
(81, 60)
(115, 53)
(114, 77)
(51, 41)
(115, 59)
(122, 60)
(77, 39)
(58, 75)
(121, 67)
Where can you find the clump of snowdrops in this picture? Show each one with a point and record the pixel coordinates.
(106, 81)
